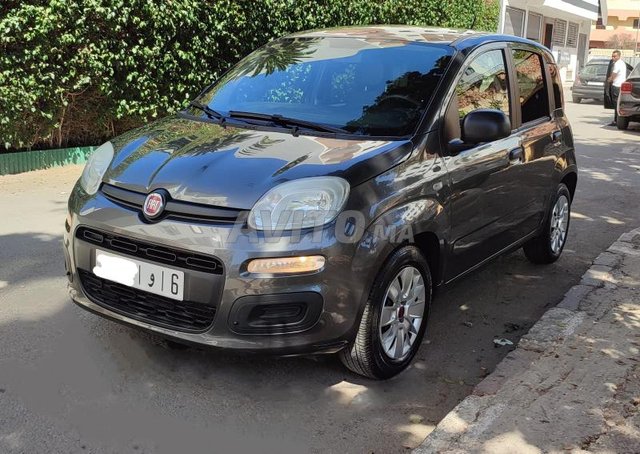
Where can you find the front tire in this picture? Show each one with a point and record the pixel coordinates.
(394, 318)
(622, 123)
(547, 247)
(576, 99)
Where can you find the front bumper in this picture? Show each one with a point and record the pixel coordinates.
(332, 298)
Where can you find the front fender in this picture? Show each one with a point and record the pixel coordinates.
(396, 227)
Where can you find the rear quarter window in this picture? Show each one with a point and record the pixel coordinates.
(558, 97)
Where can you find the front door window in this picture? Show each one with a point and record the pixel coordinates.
(484, 85)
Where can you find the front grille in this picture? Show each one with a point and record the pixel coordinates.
(174, 209)
(145, 250)
(154, 309)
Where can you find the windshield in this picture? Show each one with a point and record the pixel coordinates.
(376, 87)
(594, 71)
(636, 72)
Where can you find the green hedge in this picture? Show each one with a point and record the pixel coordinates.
(75, 72)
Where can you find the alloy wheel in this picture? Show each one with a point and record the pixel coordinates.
(559, 223)
(402, 313)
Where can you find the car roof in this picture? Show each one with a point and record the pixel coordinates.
(460, 39)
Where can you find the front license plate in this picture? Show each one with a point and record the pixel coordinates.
(160, 280)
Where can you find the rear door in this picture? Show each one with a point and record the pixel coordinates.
(540, 137)
(608, 100)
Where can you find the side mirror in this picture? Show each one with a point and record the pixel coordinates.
(485, 125)
(481, 126)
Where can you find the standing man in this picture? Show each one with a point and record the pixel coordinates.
(615, 77)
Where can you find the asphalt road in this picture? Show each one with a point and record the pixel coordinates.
(73, 382)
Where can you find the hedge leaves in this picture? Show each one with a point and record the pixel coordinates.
(76, 72)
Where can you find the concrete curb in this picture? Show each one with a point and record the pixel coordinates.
(473, 416)
(26, 161)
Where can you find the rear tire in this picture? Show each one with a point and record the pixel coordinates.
(387, 338)
(622, 123)
(576, 99)
(547, 247)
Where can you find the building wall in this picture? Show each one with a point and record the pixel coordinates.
(566, 25)
(622, 16)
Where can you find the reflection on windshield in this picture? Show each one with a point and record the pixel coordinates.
(594, 71)
(366, 87)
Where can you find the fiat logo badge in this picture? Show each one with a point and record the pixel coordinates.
(153, 205)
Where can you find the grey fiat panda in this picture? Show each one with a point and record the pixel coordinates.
(311, 199)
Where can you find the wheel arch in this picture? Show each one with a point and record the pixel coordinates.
(421, 223)
(570, 179)
(431, 248)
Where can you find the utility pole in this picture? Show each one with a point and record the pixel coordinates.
(635, 51)
(503, 12)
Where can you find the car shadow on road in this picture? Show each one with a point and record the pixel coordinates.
(118, 387)
(28, 255)
(79, 370)
(605, 123)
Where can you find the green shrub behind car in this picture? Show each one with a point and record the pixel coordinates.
(76, 72)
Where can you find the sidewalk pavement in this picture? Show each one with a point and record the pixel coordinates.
(572, 385)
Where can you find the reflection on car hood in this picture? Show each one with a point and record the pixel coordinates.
(232, 167)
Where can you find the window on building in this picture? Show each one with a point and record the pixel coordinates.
(572, 35)
(534, 100)
(559, 32)
(514, 21)
(534, 27)
(636, 24)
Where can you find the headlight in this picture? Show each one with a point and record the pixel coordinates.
(96, 167)
(298, 204)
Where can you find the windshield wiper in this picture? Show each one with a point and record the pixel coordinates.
(209, 112)
(286, 121)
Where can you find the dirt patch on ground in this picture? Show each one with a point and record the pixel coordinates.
(54, 178)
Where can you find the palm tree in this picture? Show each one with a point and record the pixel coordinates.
(276, 56)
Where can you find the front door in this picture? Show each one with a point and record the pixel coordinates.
(481, 178)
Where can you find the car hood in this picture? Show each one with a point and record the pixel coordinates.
(232, 167)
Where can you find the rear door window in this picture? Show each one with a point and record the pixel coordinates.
(534, 99)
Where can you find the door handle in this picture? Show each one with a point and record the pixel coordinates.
(516, 155)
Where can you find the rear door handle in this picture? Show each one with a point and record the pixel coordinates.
(516, 155)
